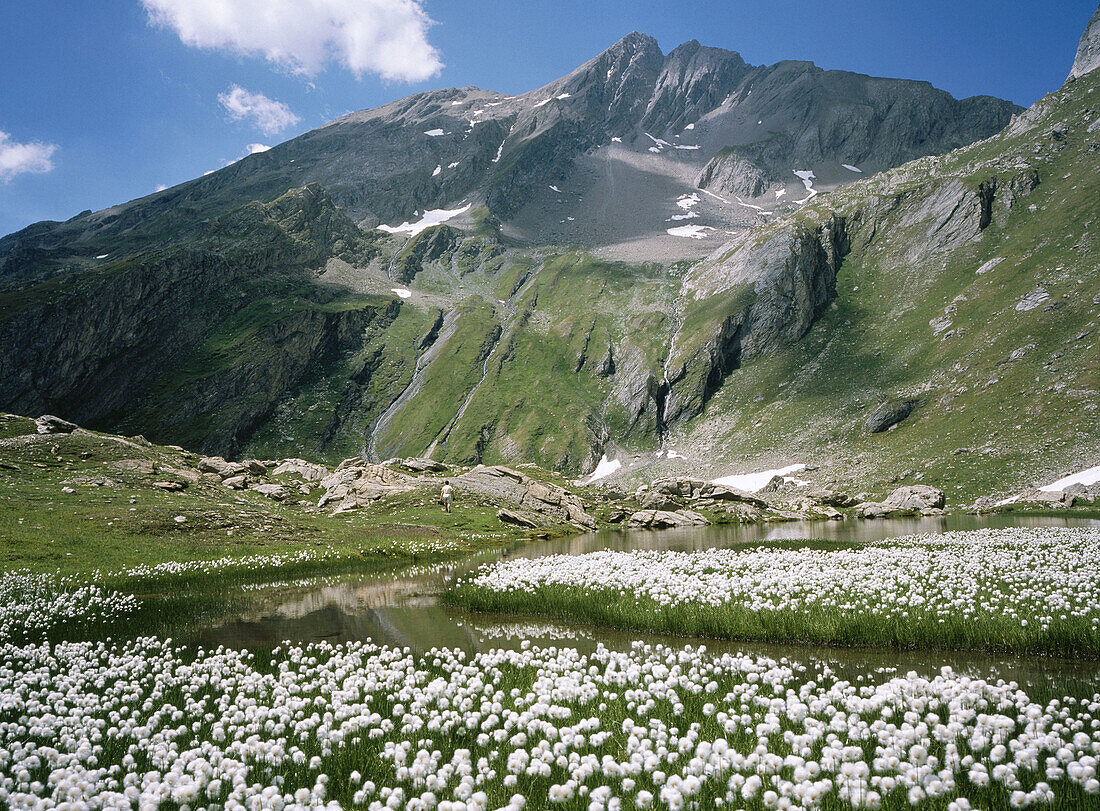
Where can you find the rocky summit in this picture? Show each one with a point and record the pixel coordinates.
(674, 263)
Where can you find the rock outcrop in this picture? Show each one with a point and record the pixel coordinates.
(1088, 49)
(535, 500)
(888, 414)
(916, 497)
(665, 519)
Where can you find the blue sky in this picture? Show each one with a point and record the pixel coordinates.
(99, 103)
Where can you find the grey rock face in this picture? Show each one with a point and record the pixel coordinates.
(306, 471)
(49, 424)
(664, 519)
(276, 492)
(1088, 49)
(776, 286)
(916, 497)
(731, 173)
(888, 414)
(550, 503)
(512, 517)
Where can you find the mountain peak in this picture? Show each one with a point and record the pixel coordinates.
(636, 39)
(1088, 49)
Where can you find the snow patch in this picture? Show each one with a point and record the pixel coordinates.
(689, 127)
(430, 218)
(103, 256)
(688, 201)
(457, 103)
(851, 168)
(565, 96)
(616, 140)
(452, 165)
(779, 193)
(541, 103)
(808, 178)
(604, 469)
(741, 202)
(689, 216)
(500, 151)
(438, 171)
(555, 188)
(751, 482)
(401, 292)
(1085, 477)
(687, 146)
(716, 197)
(675, 455)
(691, 231)
(433, 133)
(659, 143)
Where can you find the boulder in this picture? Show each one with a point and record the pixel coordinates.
(888, 414)
(874, 509)
(234, 469)
(351, 487)
(255, 467)
(722, 492)
(307, 471)
(678, 486)
(551, 503)
(214, 464)
(171, 486)
(654, 500)
(49, 424)
(273, 491)
(1055, 498)
(828, 498)
(417, 465)
(511, 517)
(916, 497)
(235, 482)
(664, 519)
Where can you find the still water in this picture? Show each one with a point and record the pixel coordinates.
(402, 607)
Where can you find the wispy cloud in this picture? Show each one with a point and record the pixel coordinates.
(254, 148)
(268, 115)
(387, 38)
(32, 157)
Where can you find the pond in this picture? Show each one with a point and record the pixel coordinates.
(402, 608)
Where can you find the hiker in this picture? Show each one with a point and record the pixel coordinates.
(446, 495)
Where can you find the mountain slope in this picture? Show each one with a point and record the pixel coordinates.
(444, 148)
(511, 334)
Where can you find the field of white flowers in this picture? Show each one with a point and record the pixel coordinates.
(146, 723)
(33, 605)
(1033, 589)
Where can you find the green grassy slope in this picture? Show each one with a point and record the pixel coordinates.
(1008, 395)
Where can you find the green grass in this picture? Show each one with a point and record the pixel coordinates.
(114, 519)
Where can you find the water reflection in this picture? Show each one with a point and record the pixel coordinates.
(402, 608)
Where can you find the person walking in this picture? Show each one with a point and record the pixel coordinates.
(446, 495)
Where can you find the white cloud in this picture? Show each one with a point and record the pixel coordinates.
(254, 148)
(29, 158)
(269, 116)
(161, 187)
(384, 37)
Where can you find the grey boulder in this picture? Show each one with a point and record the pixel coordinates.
(916, 497)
